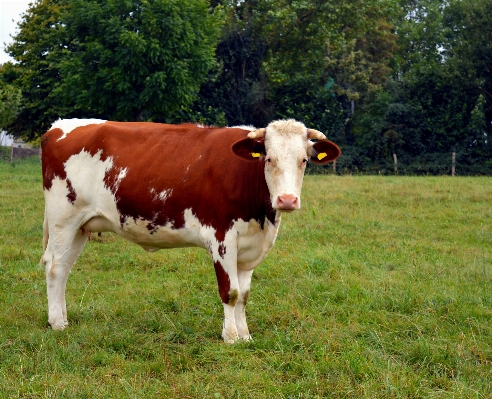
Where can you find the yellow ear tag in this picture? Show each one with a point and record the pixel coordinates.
(255, 154)
(322, 155)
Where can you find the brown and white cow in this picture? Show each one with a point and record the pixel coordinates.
(166, 186)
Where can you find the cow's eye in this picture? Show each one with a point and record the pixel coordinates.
(269, 160)
(304, 160)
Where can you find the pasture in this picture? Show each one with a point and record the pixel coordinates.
(380, 287)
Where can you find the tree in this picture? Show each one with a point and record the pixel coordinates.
(235, 92)
(350, 42)
(420, 36)
(10, 99)
(469, 48)
(122, 60)
(38, 49)
(299, 59)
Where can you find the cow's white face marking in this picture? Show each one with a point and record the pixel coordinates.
(67, 125)
(286, 145)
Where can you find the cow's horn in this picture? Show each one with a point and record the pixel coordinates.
(257, 134)
(315, 134)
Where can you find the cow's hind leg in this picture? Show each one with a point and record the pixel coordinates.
(63, 249)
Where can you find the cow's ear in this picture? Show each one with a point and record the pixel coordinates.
(324, 151)
(249, 149)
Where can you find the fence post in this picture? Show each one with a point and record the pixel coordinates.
(453, 163)
(335, 166)
(12, 153)
(396, 163)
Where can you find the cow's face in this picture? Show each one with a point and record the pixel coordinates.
(285, 147)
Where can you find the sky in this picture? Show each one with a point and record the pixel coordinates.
(10, 10)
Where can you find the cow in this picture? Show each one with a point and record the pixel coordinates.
(168, 186)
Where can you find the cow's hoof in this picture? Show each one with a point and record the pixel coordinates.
(230, 338)
(58, 326)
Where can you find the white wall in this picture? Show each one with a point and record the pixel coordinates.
(5, 139)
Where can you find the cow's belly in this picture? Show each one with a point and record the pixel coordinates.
(248, 239)
(151, 239)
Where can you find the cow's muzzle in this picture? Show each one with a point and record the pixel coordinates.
(288, 202)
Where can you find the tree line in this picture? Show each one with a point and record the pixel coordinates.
(379, 77)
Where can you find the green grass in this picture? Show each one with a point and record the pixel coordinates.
(380, 287)
(5, 153)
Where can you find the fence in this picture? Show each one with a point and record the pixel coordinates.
(17, 153)
(395, 161)
(438, 164)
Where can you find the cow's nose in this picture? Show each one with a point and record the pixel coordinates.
(288, 202)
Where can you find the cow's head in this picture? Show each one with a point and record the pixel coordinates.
(286, 147)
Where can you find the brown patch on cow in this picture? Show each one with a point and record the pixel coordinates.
(208, 177)
(51, 165)
(72, 196)
(245, 297)
(233, 297)
(223, 281)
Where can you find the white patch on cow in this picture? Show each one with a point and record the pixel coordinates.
(164, 195)
(67, 125)
(255, 242)
(244, 127)
(93, 198)
(122, 175)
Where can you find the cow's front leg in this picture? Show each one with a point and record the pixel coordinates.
(244, 279)
(229, 292)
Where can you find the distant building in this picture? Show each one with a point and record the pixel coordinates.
(6, 139)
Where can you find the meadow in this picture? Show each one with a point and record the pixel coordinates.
(380, 287)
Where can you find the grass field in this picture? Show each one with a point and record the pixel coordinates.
(380, 287)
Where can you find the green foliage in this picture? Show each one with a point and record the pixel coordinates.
(359, 298)
(39, 47)
(10, 100)
(235, 92)
(316, 107)
(152, 55)
(421, 36)
(350, 42)
(118, 60)
(469, 49)
(437, 102)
